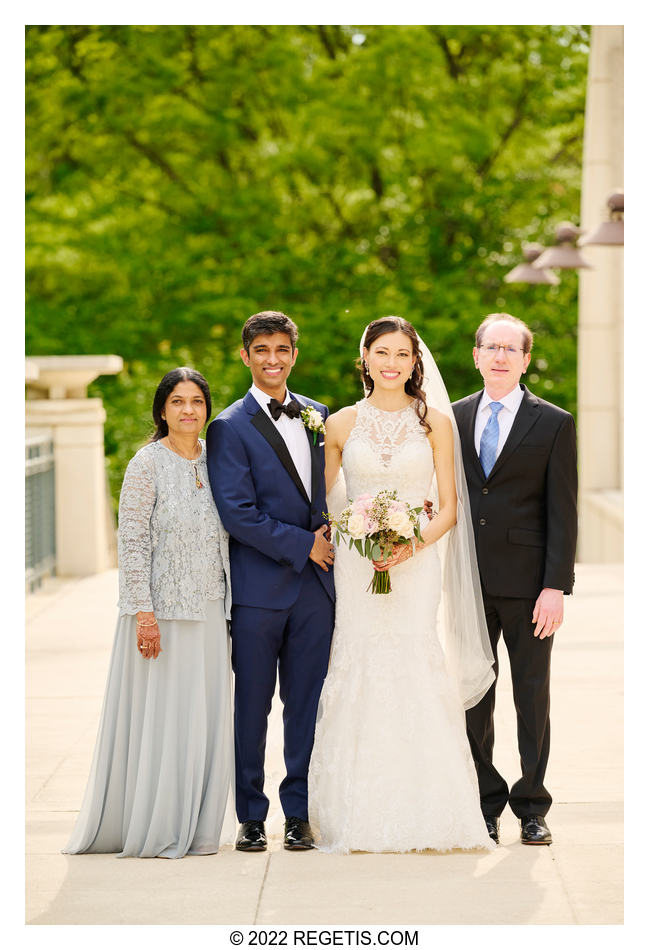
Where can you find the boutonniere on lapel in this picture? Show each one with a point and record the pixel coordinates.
(313, 421)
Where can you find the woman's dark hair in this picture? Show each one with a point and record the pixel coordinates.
(166, 386)
(414, 385)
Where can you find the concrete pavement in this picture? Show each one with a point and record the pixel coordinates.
(578, 880)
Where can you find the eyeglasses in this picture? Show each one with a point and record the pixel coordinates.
(492, 349)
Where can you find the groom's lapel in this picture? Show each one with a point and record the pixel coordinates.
(263, 424)
(314, 449)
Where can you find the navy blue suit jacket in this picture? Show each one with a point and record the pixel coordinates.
(263, 504)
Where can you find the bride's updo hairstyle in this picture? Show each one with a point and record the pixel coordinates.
(414, 385)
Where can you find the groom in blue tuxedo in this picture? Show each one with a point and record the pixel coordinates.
(266, 469)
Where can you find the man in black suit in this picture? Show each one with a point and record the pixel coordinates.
(520, 459)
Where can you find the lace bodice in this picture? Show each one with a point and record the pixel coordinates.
(172, 547)
(388, 450)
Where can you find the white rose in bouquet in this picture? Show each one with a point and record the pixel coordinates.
(356, 527)
(400, 522)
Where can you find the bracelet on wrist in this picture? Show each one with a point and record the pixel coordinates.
(152, 623)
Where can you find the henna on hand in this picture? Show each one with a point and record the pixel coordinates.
(148, 640)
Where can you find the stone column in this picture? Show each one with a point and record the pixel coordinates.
(600, 332)
(83, 545)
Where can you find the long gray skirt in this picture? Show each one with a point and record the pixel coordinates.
(161, 780)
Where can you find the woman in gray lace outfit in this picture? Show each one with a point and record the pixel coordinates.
(161, 777)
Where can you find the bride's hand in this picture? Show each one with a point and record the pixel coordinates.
(400, 553)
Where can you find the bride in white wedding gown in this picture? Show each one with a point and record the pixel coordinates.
(391, 768)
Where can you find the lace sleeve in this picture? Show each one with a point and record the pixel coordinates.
(224, 551)
(136, 503)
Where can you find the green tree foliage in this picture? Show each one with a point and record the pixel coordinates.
(180, 178)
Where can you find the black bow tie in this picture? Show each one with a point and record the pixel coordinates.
(291, 408)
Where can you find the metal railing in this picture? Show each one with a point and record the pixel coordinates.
(40, 538)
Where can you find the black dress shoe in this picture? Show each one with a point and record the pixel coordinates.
(493, 823)
(534, 830)
(251, 837)
(297, 835)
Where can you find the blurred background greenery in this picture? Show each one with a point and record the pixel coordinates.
(181, 178)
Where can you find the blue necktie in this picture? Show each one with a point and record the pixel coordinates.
(489, 439)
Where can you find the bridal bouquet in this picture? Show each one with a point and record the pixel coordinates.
(374, 524)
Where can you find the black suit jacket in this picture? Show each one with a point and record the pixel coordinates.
(525, 513)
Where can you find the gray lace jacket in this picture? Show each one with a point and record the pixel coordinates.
(172, 547)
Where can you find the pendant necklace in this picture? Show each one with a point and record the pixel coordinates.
(199, 483)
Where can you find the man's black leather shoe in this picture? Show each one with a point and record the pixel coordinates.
(493, 823)
(251, 837)
(534, 830)
(297, 835)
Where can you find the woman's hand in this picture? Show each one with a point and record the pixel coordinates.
(148, 635)
(400, 553)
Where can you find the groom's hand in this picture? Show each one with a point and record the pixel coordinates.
(322, 552)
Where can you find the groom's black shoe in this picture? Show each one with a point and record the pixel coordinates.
(297, 835)
(493, 823)
(251, 837)
(534, 830)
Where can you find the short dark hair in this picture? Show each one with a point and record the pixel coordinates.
(528, 336)
(166, 386)
(268, 322)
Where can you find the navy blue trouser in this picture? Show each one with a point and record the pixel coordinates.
(295, 641)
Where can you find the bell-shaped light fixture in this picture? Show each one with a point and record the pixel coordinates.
(611, 231)
(564, 255)
(526, 274)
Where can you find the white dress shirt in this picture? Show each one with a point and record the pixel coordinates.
(510, 403)
(293, 433)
